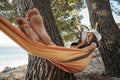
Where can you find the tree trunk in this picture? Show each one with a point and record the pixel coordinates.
(39, 68)
(100, 11)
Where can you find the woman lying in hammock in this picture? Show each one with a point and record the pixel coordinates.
(34, 28)
(92, 38)
(38, 43)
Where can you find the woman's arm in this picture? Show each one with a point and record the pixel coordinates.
(81, 43)
(93, 45)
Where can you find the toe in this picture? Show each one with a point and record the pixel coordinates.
(19, 20)
(29, 15)
(36, 11)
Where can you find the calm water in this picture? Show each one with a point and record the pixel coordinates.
(12, 57)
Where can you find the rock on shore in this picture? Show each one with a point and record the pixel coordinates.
(14, 74)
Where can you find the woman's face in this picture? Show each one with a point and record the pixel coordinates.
(90, 36)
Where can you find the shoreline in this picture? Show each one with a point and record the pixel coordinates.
(16, 73)
(10, 68)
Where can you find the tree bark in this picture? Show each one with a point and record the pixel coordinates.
(109, 46)
(39, 68)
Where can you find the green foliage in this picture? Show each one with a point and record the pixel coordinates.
(66, 13)
(67, 17)
(7, 10)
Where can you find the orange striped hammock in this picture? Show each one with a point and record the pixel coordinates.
(70, 60)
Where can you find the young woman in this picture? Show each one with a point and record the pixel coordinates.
(93, 36)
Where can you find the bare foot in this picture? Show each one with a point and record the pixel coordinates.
(30, 13)
(25, 27)
(20, 21)
(36, 22)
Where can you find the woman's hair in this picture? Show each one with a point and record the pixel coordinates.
(74, 44)
(95, 38)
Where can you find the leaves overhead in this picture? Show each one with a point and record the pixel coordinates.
(7, 10)
(66, 14)
(67, 17)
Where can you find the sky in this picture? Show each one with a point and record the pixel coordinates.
(6, 41)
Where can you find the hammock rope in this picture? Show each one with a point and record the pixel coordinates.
(68, 59)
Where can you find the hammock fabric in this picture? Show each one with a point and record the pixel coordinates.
(68, 59)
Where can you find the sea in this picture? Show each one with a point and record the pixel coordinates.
(12, 57)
